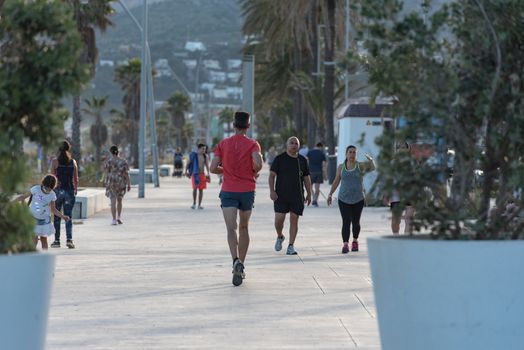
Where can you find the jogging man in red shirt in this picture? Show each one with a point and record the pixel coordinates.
(239, 159)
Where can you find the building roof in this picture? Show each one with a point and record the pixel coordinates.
(360, 107)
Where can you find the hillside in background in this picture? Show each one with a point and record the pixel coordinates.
(172, 23)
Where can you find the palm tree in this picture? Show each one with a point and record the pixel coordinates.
(120, 128)
(177, 106)
(98, 132)
(128, 76)
(283, 37)
(93, 15)
(226, 117)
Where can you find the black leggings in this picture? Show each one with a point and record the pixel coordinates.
(350, 216)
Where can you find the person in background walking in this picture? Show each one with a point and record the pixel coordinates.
(351, 196)
(117, 181)
(270, 155)
(64, 167)
(291, 172)
(178, 160)
(394, 202)
(318, 168)
(239, 159)
(196, 169)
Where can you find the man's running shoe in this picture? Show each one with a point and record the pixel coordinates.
(354, 246)
(278, 243)
(55, 244)
(70, 244)
(238, 272)
(291, 250)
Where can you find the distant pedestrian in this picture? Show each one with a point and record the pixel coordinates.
(239, 159)
(270, 155)
(64, 167)
(117, 181)
(351, 197)
(318, 168)
(196, 169)
(178, 162)
(42, 205)
(291, 171)
(394, 200)
(303, 150)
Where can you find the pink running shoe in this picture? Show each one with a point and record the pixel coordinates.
(354, 246)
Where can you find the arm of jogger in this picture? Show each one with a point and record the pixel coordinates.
(257, 161)
(334, 185)
(215, 167)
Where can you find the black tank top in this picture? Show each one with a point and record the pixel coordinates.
(65, 173)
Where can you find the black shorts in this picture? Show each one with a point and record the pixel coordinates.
(284, 207)
(396, 209)
(316, 178)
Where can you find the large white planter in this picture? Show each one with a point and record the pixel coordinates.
(447, 295)
(25, 292)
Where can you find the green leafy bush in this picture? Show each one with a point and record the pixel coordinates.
(456, 76)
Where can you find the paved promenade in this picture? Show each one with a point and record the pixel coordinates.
(162, 280)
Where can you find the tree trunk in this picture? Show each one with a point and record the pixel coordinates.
(329, 73)
(75, 132)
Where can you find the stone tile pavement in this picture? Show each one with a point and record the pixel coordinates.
(162, 280)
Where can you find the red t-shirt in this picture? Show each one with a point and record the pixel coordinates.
(237, 162)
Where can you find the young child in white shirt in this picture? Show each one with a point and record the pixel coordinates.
(42, 205)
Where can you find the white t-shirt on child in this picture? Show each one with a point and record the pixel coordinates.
(40, 203)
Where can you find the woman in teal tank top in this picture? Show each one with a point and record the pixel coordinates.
(351, 195)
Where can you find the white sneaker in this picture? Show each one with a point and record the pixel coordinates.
(193, 206)
(114, 222)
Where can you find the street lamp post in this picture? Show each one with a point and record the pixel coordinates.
(143, 101)
(150, 97)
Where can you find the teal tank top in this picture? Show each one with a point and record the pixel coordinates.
(351, 185)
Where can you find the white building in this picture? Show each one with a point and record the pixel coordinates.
(194, 46)
(234, 64)
(220, 93)
(190, 64)
(212, 64)
(107, 63)
(162, 68)
(234, 77)
(207, 86)
(217, 77)
(234, 92)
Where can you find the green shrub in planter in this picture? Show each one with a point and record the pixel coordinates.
(456, 74)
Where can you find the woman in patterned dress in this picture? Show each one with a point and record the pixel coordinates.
(117, 181)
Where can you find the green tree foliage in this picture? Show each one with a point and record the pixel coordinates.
(177, 106)
(456, 76)
(98, 131)
(39, 64)
(89, 16)
(128, 76)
